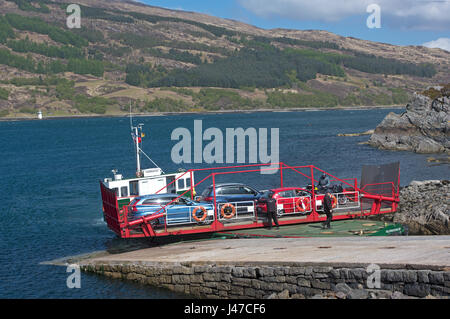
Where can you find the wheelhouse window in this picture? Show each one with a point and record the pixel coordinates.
(124, 191)
(134, 188)
(188, 182)
(180, 183)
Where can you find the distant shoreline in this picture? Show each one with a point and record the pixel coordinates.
(305, 109)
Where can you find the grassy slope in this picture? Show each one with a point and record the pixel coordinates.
(116, 41)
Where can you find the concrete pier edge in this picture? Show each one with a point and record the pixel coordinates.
(199, 273)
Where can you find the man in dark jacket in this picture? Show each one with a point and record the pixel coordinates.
(328, 209)
(324, 182)
(272, 210)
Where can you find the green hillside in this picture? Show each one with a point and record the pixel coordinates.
(129, 53)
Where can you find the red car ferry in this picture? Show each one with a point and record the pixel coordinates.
(296, 205)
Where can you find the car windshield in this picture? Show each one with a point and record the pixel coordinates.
(288, 194)
(186, 201)
(134, 201)
(206, 192)
(265, 194)
(180, 201)
(158, 201)
(246, 190)
(232, 190)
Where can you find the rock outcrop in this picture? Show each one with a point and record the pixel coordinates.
(423, 128)
(425, 207)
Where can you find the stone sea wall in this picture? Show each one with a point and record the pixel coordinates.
(293, 280)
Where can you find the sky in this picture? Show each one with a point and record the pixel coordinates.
(399, 22)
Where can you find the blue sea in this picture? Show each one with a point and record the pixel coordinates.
(50, 172)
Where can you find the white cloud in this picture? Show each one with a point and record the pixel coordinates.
(411, 14)
(324, 10)
(442, 43)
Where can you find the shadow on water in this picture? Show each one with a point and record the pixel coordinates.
(118, 245)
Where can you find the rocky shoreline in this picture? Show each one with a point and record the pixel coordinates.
(424, 208)
(422, 128)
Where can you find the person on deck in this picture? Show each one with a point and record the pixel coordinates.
(324, 182)
(328, 209)
(272, 210)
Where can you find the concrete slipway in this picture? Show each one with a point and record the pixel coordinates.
(405, 250)
(258, 266)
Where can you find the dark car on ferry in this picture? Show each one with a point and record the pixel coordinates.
(234, 200)
(229, 192)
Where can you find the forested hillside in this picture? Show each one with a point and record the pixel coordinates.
(170, 61)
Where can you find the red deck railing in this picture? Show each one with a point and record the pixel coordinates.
(117, 220)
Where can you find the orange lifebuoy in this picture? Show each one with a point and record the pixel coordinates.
(303, 204)
(204, 214)
(226, 214)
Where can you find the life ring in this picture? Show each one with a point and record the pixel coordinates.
(333, 201)
(204, 214)
(226, 214)
(303, 204)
